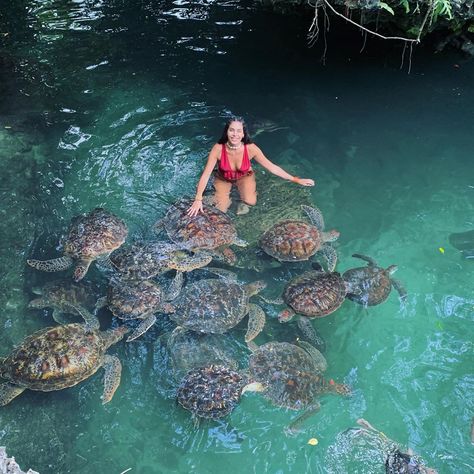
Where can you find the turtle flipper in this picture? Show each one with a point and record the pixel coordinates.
(315, 354)
(92, 323)
(397, 284)
(256, 322)
(100, 303)
(142, 328)
(175, 287)
(369, 260)
(81, 270)
(330, 255)
(8, 392)
(315, 216)
(113, 369)
(296, 423)
(240, 242)
(53, 265)
(310, 334)
(60, 318)
(222, 273)
(272, 301)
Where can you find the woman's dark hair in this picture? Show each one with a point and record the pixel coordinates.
(246, 140)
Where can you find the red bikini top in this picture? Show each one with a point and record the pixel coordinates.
(227, 172)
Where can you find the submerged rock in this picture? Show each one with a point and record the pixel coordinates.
(10, 466)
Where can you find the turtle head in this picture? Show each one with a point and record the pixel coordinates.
(331, 236)
(256, 287)
(81, 270)
(286, 315)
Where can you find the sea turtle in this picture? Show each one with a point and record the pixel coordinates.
(63, 296)
(213, 391)
(217, 305)
(140, 300)
(292, 377)
(210, 231)
(188, 350)
(60, 357)
(372, 283)
(90, 236)
(141, 261)
(295, 240)
(267, 126)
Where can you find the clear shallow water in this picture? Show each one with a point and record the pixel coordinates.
(117, 106)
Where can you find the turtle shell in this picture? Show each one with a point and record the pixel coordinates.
(207, 230)
(210, 392)
(133, 300)
(212, 306)
(94, 234)
(315, 294)
(143, 261)
(289, 374)
(369, 285)
(54, 358)
(291, 240)
(189, 350)
(60, 294)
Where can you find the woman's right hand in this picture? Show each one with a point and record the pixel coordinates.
(195, 208)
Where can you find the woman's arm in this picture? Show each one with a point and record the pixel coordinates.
(261, 159)
(196, 207)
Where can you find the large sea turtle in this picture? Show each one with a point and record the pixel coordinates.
(217, 305)
(211, 231)
(213, 391)
(60, 357)
(90, 236)
(63, 296)
(372, 284)
(130, 300)
(292, 377)
(296, 240)
(146, 260)
(313, 294)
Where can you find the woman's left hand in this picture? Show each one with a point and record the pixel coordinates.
(304, 182)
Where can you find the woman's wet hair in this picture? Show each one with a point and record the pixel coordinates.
(246, 139)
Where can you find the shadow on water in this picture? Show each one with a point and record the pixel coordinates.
(116, 104)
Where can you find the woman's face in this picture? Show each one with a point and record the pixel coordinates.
(235, 132)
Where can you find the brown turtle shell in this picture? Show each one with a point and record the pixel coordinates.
(315, 294)
(291, 240)
(207, 230)
(290, 376)
(94, 234)
(54, 358)
(212, 306)
(132, 300)
(370, 285)
(210, 392)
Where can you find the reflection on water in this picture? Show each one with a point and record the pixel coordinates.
(114, 105)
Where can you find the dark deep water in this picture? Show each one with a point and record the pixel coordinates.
(116, 104)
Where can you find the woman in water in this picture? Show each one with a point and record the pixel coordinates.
(233, 154)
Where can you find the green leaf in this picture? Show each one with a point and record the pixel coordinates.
(386, 7)
(406, 5)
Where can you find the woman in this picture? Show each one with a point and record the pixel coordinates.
(233, 154)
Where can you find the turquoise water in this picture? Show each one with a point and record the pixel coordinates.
(116, 105)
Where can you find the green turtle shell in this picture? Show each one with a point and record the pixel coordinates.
(291, 240)
(210, 392)
(315, 294)
(94, 234)
(211, 306)
(54, 358)
(207, 230)
(372, 282)
(131, 300)
(189, 350)
(60, 294)
(289, 374)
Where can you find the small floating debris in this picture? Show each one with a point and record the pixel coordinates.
(441, 249)
(313, 441)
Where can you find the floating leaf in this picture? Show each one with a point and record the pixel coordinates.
(313, 441)
(441, 249)
(386, 7)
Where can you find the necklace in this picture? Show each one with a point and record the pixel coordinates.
(233, 147)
